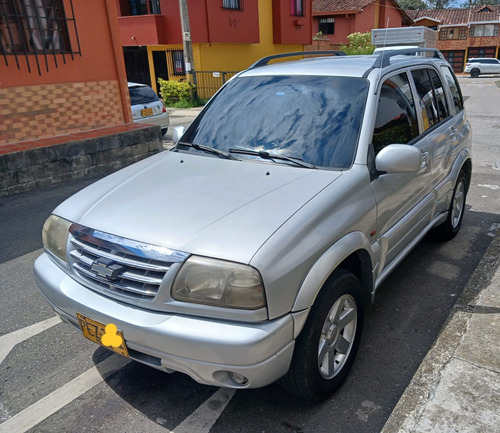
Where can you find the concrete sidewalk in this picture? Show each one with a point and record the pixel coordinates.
(457, 386)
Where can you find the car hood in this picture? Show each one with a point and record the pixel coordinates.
(197, 204)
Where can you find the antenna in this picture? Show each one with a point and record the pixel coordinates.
(383, 48)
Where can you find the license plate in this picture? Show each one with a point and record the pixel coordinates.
(94, 331)
(147, 112)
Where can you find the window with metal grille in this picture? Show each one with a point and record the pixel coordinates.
(297, 8)
(327, 26)
(178, 61)
(39, 29)
(454, 33)
(232, 4)
(480, 30)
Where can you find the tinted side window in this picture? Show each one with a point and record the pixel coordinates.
(440, 95)
(433, 108)
(396, 121)
(454, 88)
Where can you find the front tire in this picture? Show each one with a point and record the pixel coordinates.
(474, 73)
(326, 347)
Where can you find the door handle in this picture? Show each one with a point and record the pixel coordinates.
(453, 131)
(425, 160)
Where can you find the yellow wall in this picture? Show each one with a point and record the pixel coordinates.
(236, 57)
(229, 57)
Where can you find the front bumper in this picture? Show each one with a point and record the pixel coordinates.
(212, 352)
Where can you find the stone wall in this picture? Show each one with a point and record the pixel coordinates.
(30, 165)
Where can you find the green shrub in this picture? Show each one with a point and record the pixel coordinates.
(359, 43)
(174, 91)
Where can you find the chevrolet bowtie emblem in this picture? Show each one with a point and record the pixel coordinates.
(106, 268)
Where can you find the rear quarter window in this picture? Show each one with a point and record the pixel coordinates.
(142, 95)
(452, 84)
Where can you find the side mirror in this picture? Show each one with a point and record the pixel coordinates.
(398, 158)
(177, 133)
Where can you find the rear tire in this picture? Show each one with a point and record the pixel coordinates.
(474, 73)
(451, 226)
(326, 347)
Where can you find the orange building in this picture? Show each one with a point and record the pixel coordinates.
(64, 102)
(61, 69)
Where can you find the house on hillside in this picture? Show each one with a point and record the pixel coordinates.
(463, 33)
(227, 35)
(337, 19)
(63, 94)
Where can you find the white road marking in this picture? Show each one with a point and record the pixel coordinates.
(200, 421)
(8, 341)
(494, 187)
(203, 418)
(50, 404)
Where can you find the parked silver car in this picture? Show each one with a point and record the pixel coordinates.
(248, 252)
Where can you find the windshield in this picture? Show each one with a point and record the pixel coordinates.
(316, 119)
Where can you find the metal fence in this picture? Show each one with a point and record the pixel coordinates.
(208, 82)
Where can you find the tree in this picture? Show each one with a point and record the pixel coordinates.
(438, 4)
(359, 43)
(412, 4)
(475, 3)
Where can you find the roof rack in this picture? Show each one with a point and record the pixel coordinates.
(384, 58)
(265, 60)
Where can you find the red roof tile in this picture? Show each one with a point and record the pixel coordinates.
(325, 6)
(339, 5)
(458, 16)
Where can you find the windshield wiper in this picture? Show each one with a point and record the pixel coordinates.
(266, 155)
(208, 149)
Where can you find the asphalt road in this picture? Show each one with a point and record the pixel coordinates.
(52, 379)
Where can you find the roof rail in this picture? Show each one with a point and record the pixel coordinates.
(265, 60)
(384, 57)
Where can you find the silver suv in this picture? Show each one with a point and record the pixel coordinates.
(249, 252)
(478, 66)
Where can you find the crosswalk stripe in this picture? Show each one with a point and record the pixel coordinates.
(8, 341)
(200, 421)
(50, 404)
(203, 418)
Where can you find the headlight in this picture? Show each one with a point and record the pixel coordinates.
(55, 236)
(219, 283)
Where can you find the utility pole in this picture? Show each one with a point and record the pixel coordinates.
(186, 41)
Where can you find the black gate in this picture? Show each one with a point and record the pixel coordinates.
(208, 82)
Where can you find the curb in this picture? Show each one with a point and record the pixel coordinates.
(405, 416)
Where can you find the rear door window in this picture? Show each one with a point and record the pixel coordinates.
(432, 97)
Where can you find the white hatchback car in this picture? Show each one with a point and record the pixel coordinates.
(147, 107)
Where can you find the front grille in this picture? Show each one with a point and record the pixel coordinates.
(119, 266)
